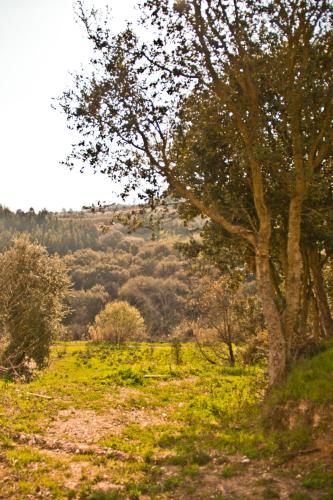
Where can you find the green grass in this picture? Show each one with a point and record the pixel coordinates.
(319, 477)
(197, 399)
(23, 457)
(233, 470)
(196, 415)
(308, 387)
(310, 380)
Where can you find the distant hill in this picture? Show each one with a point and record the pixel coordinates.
(123, 252)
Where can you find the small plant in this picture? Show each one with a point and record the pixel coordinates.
(177, 352)
(319, 477)
(232, 470)
(172, 483)
(299, 496)
(270, 493)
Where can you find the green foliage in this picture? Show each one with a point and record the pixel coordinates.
(23, 457)
(117, 323)
(32, 286)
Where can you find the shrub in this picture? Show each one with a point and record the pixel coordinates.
(32, 286)
(118, 322)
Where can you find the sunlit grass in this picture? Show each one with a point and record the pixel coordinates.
(206, 413)
(311, 380)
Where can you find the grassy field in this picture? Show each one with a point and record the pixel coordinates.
(136, 422)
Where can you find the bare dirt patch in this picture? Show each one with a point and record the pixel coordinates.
(89, 427)
(78, 431)
(84, 426)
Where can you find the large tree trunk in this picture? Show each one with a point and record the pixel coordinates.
(320, 293)
(293, 278)
(277, 344)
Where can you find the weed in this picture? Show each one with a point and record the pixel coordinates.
(270, 493)
(172, 483)
(319, 477)
(22, 457)
(265, 482)
(105, 495)
(232, 470)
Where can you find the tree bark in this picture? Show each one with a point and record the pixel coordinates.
(277, 344)
(231, 354)
(305, 300)
(320, 292)
(294, 276)
(315, 319)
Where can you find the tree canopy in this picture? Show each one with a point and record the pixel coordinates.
(228, 106)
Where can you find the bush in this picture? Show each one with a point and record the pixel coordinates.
(32, 286)
(118, 322)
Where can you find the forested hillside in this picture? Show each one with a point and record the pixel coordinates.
(106, 260)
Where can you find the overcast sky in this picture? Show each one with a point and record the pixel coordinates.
(40, 43)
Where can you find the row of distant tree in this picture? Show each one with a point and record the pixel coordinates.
(58, 235)
(71, 231)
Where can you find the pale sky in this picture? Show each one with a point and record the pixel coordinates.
(40, 43)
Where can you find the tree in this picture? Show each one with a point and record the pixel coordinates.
(89, 268)
(32, 287)
(117, 323)
(265, 69)
(225, 312)
(57, 234)
(162, 302)
(83, 306)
